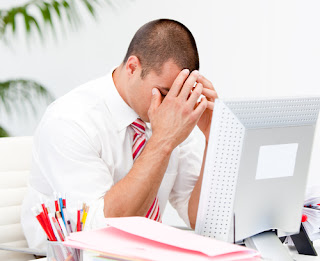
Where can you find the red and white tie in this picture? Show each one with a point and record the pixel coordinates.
(139, 141)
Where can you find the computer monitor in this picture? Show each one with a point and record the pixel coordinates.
(256, 167)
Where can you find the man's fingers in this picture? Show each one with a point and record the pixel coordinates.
(178, 83)
(210, 94)
(155, 101)
(210, 105)
(188, 85)
(202, 105)
(194, 96)
(205, 82)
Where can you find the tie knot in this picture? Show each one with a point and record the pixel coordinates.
(139, 126)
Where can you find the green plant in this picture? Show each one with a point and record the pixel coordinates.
(37, 14)
(18, 94)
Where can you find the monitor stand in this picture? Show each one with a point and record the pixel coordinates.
(302, 242)
(269, 246)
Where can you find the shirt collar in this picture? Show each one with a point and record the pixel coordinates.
(122, 114)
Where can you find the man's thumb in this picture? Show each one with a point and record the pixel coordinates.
(155, 100)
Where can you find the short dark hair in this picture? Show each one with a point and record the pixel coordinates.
(160, 40)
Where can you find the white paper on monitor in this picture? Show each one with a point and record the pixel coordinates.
(276, 161)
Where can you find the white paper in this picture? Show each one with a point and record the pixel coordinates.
(276, 161)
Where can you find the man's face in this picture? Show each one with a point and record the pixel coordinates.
(141, 89)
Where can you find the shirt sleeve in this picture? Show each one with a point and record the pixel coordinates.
(69, 161)
(190, 161)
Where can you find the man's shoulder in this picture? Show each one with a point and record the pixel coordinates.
(80, 101)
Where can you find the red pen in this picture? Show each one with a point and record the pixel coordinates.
(45, 211)
(39, 218)
(64, 201)
(43, 217)
(78, 217)
(56, 201)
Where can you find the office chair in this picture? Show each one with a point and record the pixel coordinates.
(15, 163)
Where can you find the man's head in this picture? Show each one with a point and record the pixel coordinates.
(159, 41)
(157, 53)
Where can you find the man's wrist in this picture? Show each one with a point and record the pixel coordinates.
(163, 146)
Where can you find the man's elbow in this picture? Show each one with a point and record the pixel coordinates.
(192, 225)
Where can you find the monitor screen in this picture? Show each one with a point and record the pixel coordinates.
(256, 167)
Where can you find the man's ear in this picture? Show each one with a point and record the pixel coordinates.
(133, 66)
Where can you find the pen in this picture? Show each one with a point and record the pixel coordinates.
(38, 216)
(64, 201)
(45, 211)
(61, 223)
(56, 203)
(61, 208)
(68, 223)
(47, 223)
(84, 218)
(78, 217)
(53, 227)
(69, 226)
(56, 225)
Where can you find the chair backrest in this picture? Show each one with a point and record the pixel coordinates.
(15, 164)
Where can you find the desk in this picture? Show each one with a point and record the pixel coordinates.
(293, 251)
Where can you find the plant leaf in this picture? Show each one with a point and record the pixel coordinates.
(17, 93)
(45, 8)
(90, 7)
(26, 20)
(56, 6)
(3, 132)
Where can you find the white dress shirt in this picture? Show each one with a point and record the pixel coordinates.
(83, 146)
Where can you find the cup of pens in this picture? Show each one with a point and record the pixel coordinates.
(57, 226)
(56, 251)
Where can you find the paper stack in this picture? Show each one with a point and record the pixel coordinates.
(137, 238)
(312, 211)
(311, 215)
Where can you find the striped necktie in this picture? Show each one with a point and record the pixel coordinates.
(139, 141)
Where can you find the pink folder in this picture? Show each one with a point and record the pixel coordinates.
(138, 238)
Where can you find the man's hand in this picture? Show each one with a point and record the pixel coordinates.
(174, 118)
(210, 93)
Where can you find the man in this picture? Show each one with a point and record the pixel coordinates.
(122, 143)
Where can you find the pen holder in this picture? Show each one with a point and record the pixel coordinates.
(56, 251)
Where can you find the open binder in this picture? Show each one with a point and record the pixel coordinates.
(137, 238)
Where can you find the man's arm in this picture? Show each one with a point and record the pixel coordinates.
(172, 120)
(134, 194)
(195, 195)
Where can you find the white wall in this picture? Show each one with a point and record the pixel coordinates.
(247, 48)
(97, 47)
